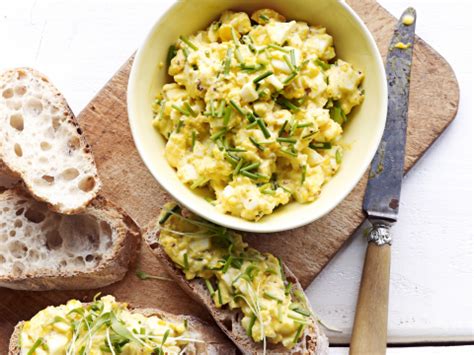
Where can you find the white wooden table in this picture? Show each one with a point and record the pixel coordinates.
(79, 44)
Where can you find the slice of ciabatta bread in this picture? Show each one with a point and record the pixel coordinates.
(215, 343)
(313, 340)
(44, 250)
(41, 142)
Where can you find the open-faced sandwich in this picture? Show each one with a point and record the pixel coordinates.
(105, 326)
(253, 296)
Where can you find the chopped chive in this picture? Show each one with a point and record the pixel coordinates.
(228, 61)
(171, 54)
(263, 127)
(264, 18)
(220, 110)
(186, 261)
(35, 346)
(238, 56)
(282, 271)
(337, 114)
(237, 107)
(282, 129)
(219, 295)
(286, 140)
(298, 333)
(251, 324)
(169, 213)
(258, 145)
(303, 125)
(301, 311)
(290, 78)
(179, 109)
(293, 57)
(288, 62)
(227, 113)
(211, 108)
(237, 168)
(250, 68)
(190, 109)
(180, 124)
(237, 150)
(231, 159)
(234, 37)
(252, 125)
(227, 264)
(193, 140)
(186, 52)
(278, 48)
(282, 101)
(199, 182)
(254, 176)
(323, 65)
(250, 167)
(320, 145)
(209, 287)
(262, 76)
(250, 117)
(303, 174)
(293, 154)
(338, 156)
(188, 43)
(272, 296)
(268, 192)
(293, 128)
(219, 134)
(309, 135)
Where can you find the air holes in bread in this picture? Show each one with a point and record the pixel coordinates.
(33, 106)
(87, 184)
(17, 249)
(17, 269)
(34, 215)
(48, 178)
(16, 121)
(7, 93)
(70, 174)
(106, 229)
(20, 90)
(17, 149)
(53, 240)
(74, 143)
(45, 146)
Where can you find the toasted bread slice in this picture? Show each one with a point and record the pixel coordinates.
(215, 343)
(43, 250)
(41, 142)
(313, 341)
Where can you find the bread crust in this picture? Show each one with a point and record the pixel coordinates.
(313, 340)
(109, 270)
(14, 172)
(215, 342)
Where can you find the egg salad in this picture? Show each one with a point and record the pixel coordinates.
(101, 327)
(255, 111)
(236, 276)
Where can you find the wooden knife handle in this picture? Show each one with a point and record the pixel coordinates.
(369, 335)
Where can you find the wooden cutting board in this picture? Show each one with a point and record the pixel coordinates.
(433, 105)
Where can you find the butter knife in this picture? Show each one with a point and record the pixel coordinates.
(382, 196)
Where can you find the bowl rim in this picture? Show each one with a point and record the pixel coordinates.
(252, 226)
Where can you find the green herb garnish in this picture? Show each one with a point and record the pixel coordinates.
(323, 65)
(181, 110)
(227, 61)
(286, 140)
(320, 145)
(142, 275)
(258, 145)
(172, 51)
(188, 43)
(175, 209)
(262, 76)
(263, 128)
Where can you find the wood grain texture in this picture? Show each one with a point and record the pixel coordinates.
(370, 324)
(127, 182)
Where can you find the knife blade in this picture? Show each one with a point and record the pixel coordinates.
(382, 194)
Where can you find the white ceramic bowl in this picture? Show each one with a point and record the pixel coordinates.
(353, 43)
